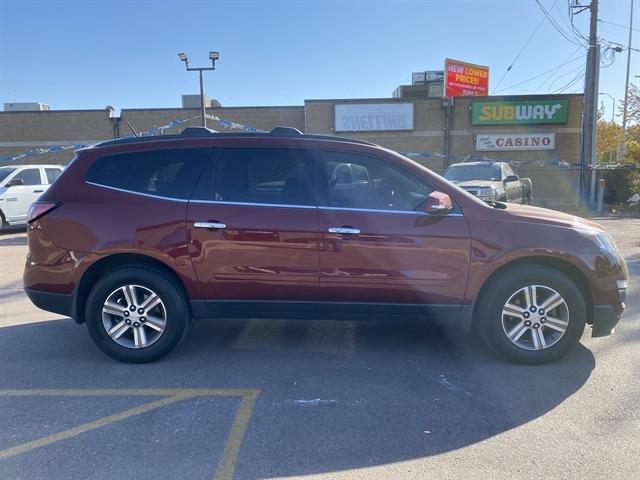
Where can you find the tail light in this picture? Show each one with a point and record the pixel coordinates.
(39, 209)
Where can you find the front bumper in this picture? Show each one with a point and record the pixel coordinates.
(605, 319)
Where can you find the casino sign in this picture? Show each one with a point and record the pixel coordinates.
(492, 142)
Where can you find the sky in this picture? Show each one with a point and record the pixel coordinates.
(90, 54)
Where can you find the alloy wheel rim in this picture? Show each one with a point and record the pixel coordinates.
(535, 317)
(134, 316)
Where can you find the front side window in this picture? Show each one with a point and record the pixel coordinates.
(357, 181)
(164, 173)
(5, 171)
(263, 176)
(29, 176)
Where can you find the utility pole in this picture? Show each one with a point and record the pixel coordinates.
(447, 105)
(590, 108)
(626, 85)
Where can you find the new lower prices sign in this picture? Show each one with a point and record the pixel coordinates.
(464, 79)
(515, 141)
(524, 112)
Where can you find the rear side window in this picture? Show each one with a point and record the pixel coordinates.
(262, 175)
(29, 176)
(165, 173)
(52, 174)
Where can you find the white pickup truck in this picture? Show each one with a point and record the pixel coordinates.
(20, 186)
(491, 181)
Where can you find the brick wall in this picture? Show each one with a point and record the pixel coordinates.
(22, 131)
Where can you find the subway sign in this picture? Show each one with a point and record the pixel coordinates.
(519, 112)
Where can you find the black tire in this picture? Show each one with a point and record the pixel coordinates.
(155, 279)
(498, 292)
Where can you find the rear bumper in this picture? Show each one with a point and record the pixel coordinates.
(60, 303)
(605, 318)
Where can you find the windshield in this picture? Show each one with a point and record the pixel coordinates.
(463, 173)
(5, 171)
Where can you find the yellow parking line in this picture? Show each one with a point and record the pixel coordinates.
(85, 427)
(227, 465)
(121, 392)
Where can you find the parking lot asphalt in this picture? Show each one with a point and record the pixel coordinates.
(330, 400)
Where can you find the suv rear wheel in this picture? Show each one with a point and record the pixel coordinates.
(532, 315)
(136, 314)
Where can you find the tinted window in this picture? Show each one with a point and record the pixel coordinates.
(166, 173)
(263, 175)
(357, 181)
(52, 174)
(5, 171)
(30, 176)
(463, 173)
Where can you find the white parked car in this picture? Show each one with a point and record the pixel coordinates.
(20, 186)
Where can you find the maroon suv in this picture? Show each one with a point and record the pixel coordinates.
(140, 236)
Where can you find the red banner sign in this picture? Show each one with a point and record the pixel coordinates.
(465, 79)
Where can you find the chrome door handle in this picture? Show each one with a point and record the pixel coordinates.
(38, 191)
(210, 225)
(345, 230)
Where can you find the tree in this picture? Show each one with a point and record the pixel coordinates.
(633, 105)
(608, 139)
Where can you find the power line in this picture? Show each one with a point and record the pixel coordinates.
(622, 46)
(555, 24)
(626, 27)
(535, 30)
(538, 75)
(577, 78)
(571, 13)
(580, 67)
(569, 59)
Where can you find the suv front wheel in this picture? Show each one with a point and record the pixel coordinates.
(532, 314)
(136, 314)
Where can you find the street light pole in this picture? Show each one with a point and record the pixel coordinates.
(213, 56)
(626, 85)
(202, 112)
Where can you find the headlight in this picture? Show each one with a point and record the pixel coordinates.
(603, 240)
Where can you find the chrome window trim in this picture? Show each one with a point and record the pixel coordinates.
(320, 207)
(150, 195)
(377, 210)
(251, 204)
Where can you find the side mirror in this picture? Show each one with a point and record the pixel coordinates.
(511, 178)
(438, 203)
(15, 182)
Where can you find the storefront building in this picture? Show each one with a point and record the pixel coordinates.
(531, 131)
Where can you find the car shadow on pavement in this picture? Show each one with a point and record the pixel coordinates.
(334, 395)
(17, 241)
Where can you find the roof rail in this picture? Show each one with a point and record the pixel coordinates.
(198, 131)
(204, 132)
(286, 132)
